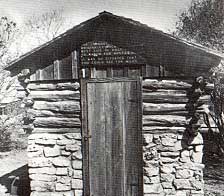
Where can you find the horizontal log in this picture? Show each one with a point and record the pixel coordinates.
(161, 97)
(20, 88)
(52, 86)
(156, 129)
(55, 122)
(205, 99)
(48, 113)
(164, 120)
(61, 106)
(55, 95)
(170, 97)
(179, 113)
(164, 91)
(165, 84)
(209, 87)
(57, 130)
(163, 107)
(172, 109)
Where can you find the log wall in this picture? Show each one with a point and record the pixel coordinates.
(54, 150)
(172, 157)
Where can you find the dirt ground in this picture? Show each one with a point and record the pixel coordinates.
(214, 167)
(10, 161)
(214, 175)
(13, 164)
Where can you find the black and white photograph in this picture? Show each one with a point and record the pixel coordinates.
(112, 98)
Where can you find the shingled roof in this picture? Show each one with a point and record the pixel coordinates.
(157, 47)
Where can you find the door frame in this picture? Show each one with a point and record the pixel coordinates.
(85, 131)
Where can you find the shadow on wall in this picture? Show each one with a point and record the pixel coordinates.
(20, 185)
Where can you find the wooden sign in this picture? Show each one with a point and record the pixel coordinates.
(104, 54)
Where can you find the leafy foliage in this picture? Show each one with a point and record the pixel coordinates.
(5, 135)
(13, 43)
(46, 26)
(216, 112)
(12, 136)
(203, 22)
(8, 30)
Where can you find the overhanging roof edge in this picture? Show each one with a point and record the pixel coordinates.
(50, 44)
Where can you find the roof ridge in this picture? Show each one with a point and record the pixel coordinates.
(33, 54)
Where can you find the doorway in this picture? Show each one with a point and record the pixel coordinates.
(112, 137)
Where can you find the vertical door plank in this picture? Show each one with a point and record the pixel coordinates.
(96, 125)
(108, 136)
(85, 142)
(114, 140)
(140, 137)
(133, 156)
(115, 149)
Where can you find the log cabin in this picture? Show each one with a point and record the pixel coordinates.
(113, 109)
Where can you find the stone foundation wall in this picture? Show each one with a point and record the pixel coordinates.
(172, 165)
(54, 144)
(55, 164)
(172, 153)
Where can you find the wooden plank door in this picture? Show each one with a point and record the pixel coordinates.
(112, 138)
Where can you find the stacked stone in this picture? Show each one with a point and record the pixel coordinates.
(172, 165)
(55, 164)
(172, 158)
(54, 145)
